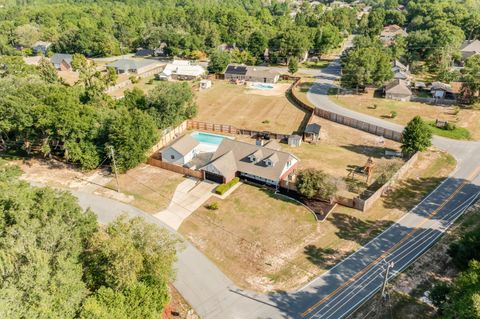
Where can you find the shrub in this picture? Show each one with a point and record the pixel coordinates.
(134, 79)
(449, 126)
(393, 114)
(223, 188)
(315, 183)
(212, 206)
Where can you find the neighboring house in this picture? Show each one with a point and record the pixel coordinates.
(251, 73)
(182, 151)
(263, 75)
(470, 48)
(41, 47)
(390, 32)
(144, 52)
(442, 90)
(235, 72)
(33, 60)
(226, 47)
(253, 162)
(398, 90)
(181, 70)
(138, 67)
(62, 62)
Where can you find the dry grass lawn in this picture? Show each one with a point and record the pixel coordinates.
(236, 105)
(147, 187)
(267, 243)
(466, 118)
(141, 84)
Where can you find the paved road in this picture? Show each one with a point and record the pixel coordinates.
(341, 290)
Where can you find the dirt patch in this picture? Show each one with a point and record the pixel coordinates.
(147, 187)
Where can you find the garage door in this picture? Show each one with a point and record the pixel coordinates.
(214, 177)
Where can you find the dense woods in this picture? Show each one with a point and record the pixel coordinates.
(56, 262)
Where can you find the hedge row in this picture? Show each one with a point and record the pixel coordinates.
(223, 188)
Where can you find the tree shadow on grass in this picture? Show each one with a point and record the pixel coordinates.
(323, 257)
(355, 229)
(409, 192)
(372, 151)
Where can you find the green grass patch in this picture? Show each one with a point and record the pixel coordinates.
(316, 65)
(332, 91)
(223, 188)
(457, 133)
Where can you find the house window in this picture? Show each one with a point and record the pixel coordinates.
(172, 156)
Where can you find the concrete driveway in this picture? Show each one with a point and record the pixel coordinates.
(188, 197)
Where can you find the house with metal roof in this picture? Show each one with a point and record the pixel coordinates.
(181, 70)
(182, 151)
(260, 164)
(139, 67)
(470, 48)
(61, 61)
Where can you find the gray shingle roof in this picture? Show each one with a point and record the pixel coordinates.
(57, 58)
(398, 86)
(185, 144)
(127, 64)
(240, 151)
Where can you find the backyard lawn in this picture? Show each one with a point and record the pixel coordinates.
(464, 119)
(146, 187)
(264, 242)
(236, 105)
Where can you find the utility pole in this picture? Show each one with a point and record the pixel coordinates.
(112, 156)
(385, 280)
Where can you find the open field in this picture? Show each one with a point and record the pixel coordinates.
(462, 118)
(232, 104)
(263, 242)
(146, 187)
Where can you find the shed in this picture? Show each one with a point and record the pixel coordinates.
(312, 132)
(441, 90)
(294, 140)
(181, 151)
(205, 84)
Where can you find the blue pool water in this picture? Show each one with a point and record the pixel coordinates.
(208, 138)
(263, 86)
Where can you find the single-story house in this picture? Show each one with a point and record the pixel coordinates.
(141, 52)
(33, 60)
(470, 48)
(138, 67)
(181, 70)
(294, 140)
(441, 90)
(181, 151)
(253, 162)
(61, 61)
(41, 47)
(312, 132)
(235, 72)
(263, 75)
(398, 90)
(390, 32)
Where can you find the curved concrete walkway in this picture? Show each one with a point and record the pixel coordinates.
(338, 292)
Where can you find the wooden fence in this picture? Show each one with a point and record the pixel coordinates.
(225, 128)
(388, 185)
(175, 168)
(345, 120)
(168, 135)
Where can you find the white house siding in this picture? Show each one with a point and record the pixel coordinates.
(260, 179)
(229, 76)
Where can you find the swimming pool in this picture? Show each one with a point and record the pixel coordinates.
(263, 86)
(208, 138)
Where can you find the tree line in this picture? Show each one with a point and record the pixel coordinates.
(56, 262)
(188, 28)
(80, 123)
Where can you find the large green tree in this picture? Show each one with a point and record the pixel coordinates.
(315, 183)
(43, 234)
(416, 137)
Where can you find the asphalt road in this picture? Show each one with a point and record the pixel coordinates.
(350, 283)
